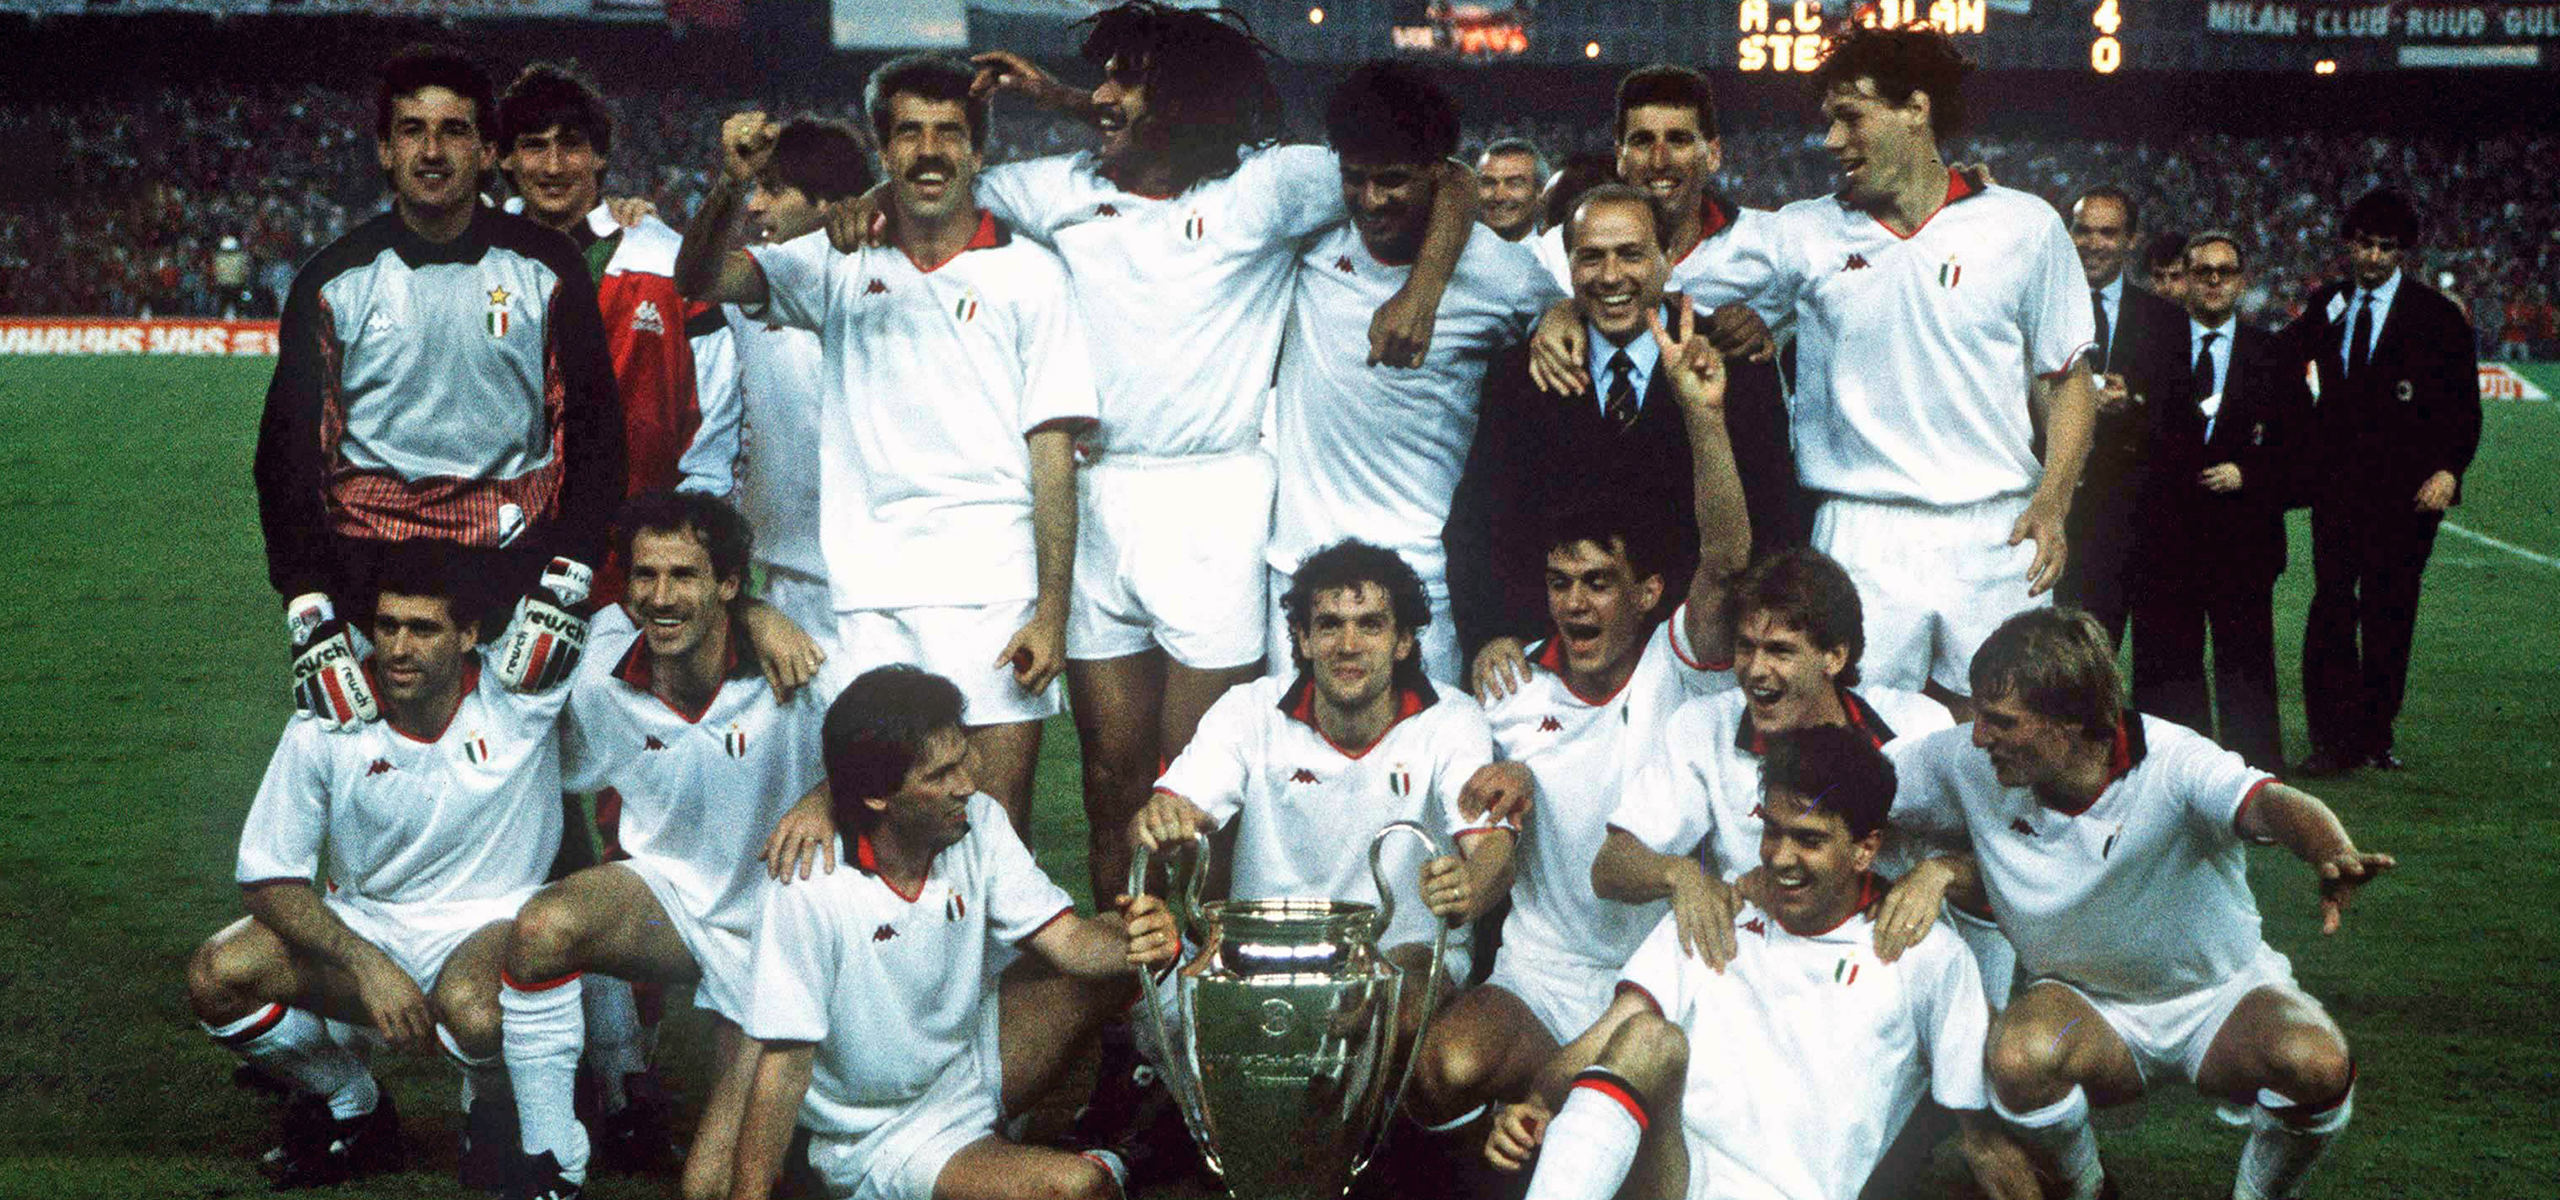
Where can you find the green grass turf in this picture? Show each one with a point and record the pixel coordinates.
(145, 693)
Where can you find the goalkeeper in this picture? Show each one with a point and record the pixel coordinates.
(442, 374)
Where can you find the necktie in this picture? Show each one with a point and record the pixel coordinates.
(2208, 399)
(2360, 340)
(2098, 313)
(1621, 404)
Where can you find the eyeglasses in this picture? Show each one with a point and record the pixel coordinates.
(2213, 274)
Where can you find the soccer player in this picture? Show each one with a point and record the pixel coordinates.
(868, 989)
(1182, 233)
(438, 821)
(1508, 176)
(1936, 317)
(555, 146)
(1604, 685)
(1374, 453)
(1309, 766)
(669, 715)
(2114, 848)
(959, 381)
(440, 373)
(1787, 1072)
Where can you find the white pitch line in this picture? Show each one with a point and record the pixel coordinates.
(2509, 547)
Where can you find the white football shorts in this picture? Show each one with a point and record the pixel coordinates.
(722, 955)
(803, 598)
(1568, 997)
(420, 937)
(1169, 553)
(1934, 581)
(2170, 1037)
(959, 643)
(903, 1157)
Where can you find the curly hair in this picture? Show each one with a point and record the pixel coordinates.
(1914, 58)
(1351, 563)
(1210, 96)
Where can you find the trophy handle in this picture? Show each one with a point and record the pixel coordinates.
(1430, 980)
(1182, 899)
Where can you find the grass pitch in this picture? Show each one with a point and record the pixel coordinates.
(145, 691)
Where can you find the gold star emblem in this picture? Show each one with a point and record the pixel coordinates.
(497, 297)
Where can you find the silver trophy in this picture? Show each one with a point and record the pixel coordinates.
(1279, 1038)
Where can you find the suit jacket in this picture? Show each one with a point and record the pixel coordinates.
(2145, 348)
(2415, 408)
(1536, 454)
(2187, 534)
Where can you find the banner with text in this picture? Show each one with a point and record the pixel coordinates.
(138, 335)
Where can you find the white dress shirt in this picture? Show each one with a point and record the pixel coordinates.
(1641, 352)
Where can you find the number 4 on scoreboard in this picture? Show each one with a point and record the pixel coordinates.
(2107, 18)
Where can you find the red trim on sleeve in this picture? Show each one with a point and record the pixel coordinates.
(1679, 628)
(2242, 812)
(1062, 914)
(2071, 360)
(1629, 985)
(516, 985)
(1621, 1095)
(1463, 834)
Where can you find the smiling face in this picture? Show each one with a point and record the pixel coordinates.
(1119, 107)
(559, 173)
(2101, 230)
(931, 808)
(1787, 682)
(682, 607)
(436, 150)
(1352, 646)
(418, 651)
(1618, 267)
(1507, 192)
(1663, 153)
(1601, 610)
(779, 212)
(1815, 867)
(1390, 204)
(1881, 147)
(930, 161)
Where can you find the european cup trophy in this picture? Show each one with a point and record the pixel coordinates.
(1279, 1039)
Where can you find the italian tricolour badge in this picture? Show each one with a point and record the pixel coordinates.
(1844, 972)
(1400, 780)
(735, 741)
(966, 309)
(1195, 228)
(498, 312)
(1949, 272)
(475, 748)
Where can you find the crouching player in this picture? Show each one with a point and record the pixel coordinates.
(440, 819)
(672, 717)
(1787, 1073)
(868, 988)
(2114, 848)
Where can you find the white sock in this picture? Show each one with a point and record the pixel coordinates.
(2062, 1130)
(616, 1044)
(544, 1026)
(2285, 1142)
(480, 1076)
(1591, 1144)
(295, 1046)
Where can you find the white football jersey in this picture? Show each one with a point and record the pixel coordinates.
(937, 376)
(1578, 748)
(2142, 896)
(1184, 296)
(1375, 452)
(892, 987)
(1727, 264)
(1699, 792)
(1807, 1053)
(700, 791)
(1914, 354)
(1309, 808)
(471, 814)
(782, 390)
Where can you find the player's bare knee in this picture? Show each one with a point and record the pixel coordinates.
(2026, 1064)
(2310, 1064)
(549, 932)
(706, 1181)
(1651, 1052)
(471, 1015)
(222, 979)
(1074, 1177)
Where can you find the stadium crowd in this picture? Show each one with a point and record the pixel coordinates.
(148, 188)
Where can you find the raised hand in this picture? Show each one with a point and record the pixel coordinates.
(746, 145)
(1695, 367)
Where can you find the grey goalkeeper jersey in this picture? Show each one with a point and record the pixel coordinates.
(459, 391)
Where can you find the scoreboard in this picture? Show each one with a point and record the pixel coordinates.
(1787, 35)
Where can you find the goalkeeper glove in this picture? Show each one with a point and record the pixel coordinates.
(545, 636)
(328, 675)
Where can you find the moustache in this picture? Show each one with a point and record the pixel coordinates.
(923, 166)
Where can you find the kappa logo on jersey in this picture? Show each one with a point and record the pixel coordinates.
(1400, 780)
(2020, 825)
(1195, 228)
(1758, 926)
(1550, 725)
(954, 908)
(651, 742)
(1106, 210)
(877, 288)
(1343, 264)
(1949, 272)
(884, 933)
(381, 322)
(381, 766)
(966, 309)
(1857, 262)
(735, 741)
(1302, 775)
(645, 319)
(475, 748)
(1844, 972)
(498, 312)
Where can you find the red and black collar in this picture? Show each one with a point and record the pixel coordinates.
(2128, 751)
(990, 234)
(1550, 658)
(867, 861)
(1298, 703)
(1863, 718)
(638, 670)
(1715, 215)
(1870, 895)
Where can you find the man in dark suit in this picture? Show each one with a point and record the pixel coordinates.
(2397, 421)
(1535, 451)
(2138, 355)
(2219, 467)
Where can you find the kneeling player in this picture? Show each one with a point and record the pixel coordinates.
(2114, 848)
(439, 820)
(1787, 1073)
(1312, 766)
(673, 717)
(868, 988)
